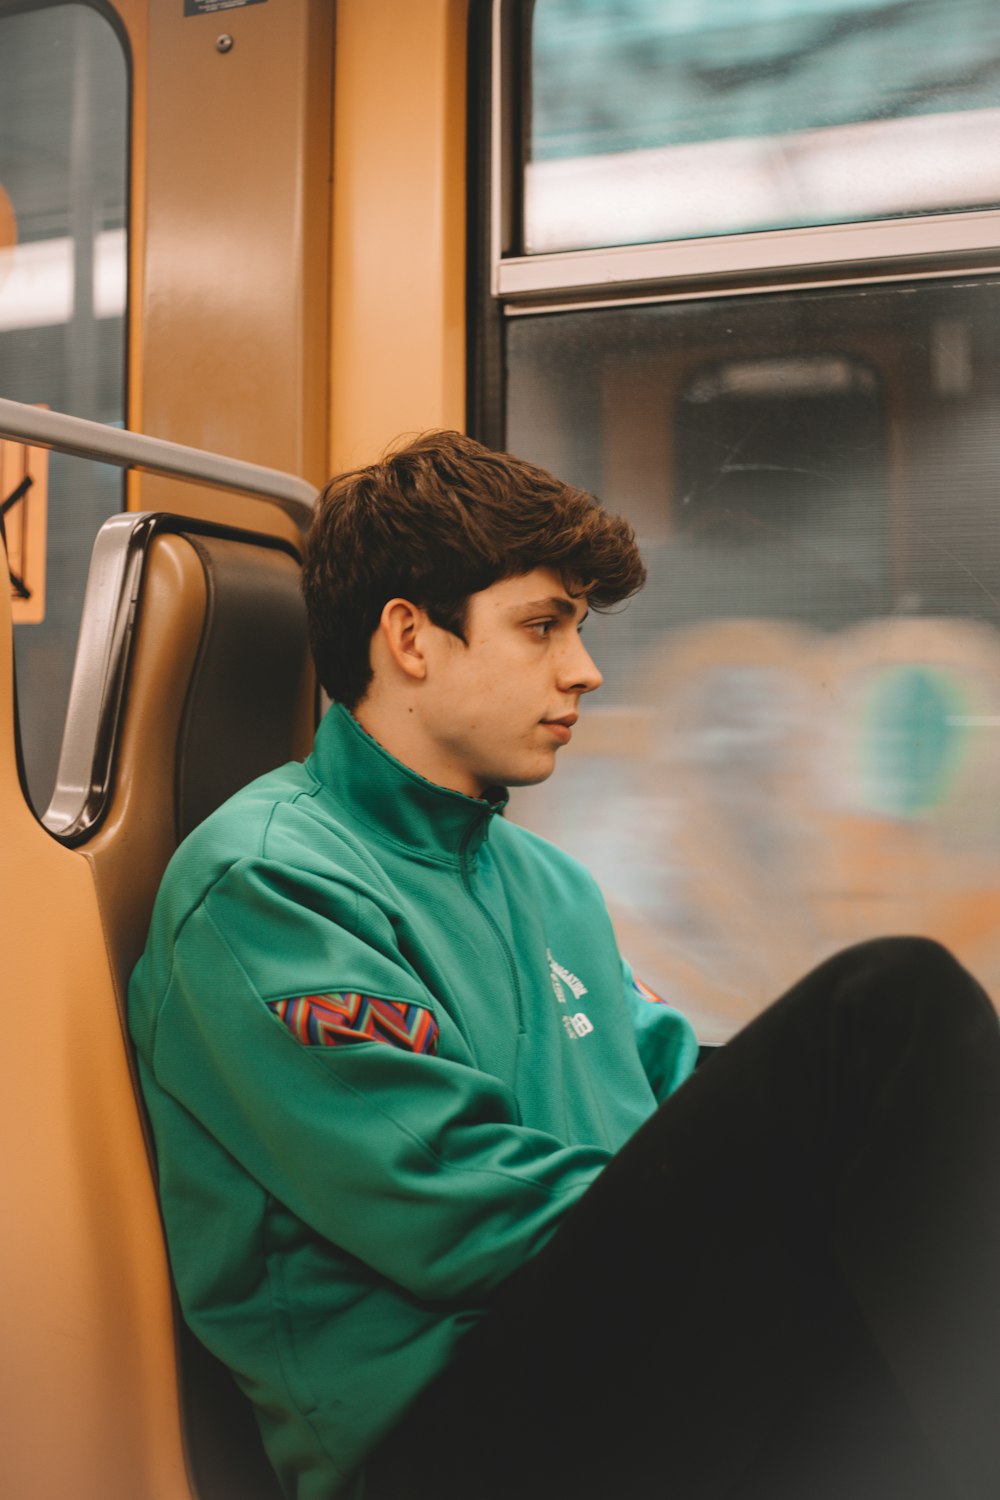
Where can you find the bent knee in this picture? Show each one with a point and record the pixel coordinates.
(913, 971)
(908, 954)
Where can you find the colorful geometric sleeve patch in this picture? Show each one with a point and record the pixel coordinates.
(646, 992)
(344, 1017)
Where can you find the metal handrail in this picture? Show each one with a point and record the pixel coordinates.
(99, 672)
(133, 450)
(103, 649)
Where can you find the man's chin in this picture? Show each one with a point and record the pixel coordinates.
(529, 778)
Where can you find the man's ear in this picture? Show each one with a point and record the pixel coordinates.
(400, 630)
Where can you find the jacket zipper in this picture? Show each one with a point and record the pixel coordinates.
(491, 923)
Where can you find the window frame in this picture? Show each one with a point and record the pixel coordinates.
(894, 249)
(106, 10)
(37, 797)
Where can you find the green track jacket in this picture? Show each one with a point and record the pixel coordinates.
(386, 1041)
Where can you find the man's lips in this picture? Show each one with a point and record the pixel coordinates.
(561, 728)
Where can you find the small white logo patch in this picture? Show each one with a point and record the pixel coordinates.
(578, 1025)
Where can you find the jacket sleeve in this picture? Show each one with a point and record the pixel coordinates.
(415, 1164)
(668, 1047)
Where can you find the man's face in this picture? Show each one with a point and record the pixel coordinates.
(498, 707)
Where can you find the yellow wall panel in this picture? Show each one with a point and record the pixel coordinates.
(399, 228)
(234, 323)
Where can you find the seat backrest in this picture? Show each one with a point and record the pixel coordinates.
(206, 684)
(220, 689)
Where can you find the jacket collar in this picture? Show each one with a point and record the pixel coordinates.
(395, 803)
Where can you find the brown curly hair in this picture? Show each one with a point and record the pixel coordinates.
(437, 521)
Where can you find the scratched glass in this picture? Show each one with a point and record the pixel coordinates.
(798, 740)
(63, 255)
(670, 119)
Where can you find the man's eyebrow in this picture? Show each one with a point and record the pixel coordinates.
(555, 602)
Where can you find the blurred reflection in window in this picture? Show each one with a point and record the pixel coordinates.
(798, 739)
(670, 119)
(63, 152)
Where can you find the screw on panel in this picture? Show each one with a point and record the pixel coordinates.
(224, 43)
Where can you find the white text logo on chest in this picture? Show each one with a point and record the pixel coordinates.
(576, 1025)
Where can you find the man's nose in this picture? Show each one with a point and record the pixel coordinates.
(580, 671)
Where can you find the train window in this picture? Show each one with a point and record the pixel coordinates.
(796, 743)
(653, 120)
(63, 255)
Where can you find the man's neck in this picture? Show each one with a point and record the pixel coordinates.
(399, 731)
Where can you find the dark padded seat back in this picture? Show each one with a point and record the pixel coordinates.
(244, 710)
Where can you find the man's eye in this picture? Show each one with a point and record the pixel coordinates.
(542, 628)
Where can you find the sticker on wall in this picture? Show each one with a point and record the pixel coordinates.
(213, 7)
(23, 483)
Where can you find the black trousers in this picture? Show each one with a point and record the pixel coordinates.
(786, 1286)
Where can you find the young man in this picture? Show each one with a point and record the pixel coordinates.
(432, 1185)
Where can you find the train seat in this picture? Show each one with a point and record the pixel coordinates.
(192, 677)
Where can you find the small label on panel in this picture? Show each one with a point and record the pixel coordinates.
(24, 473)
(212, 7)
